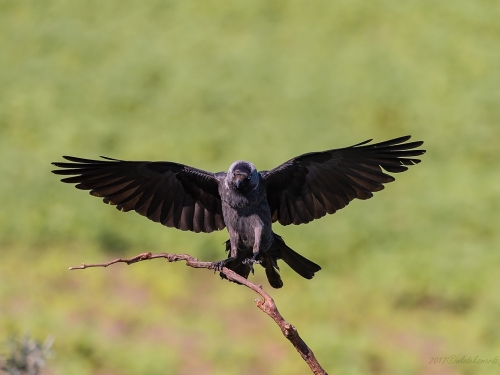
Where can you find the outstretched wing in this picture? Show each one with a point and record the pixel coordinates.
(309, 186)
(173, 194)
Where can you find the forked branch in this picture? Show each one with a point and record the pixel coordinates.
(265, 303)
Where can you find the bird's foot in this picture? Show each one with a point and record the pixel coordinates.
(218, 266)
(251, 262)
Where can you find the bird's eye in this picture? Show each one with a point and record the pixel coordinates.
(248, 178)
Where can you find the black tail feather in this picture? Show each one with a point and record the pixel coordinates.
(303, 266)
(272, 271)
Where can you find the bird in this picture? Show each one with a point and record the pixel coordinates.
(243, 200)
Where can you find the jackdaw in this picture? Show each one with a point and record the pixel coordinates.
(244, 200)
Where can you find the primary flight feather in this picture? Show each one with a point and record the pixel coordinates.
(244, 200)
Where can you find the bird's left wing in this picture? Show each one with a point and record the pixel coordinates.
(309, 186)
(173, 194)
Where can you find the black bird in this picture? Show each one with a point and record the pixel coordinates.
(244, 200)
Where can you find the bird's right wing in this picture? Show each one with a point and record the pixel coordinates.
(309, 186)
(173, 194)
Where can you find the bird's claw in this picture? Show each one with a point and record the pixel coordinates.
(218, 266)
(251, 262)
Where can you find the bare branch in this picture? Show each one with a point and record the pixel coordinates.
(265, 303)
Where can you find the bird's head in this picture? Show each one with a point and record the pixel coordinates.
(242, 176)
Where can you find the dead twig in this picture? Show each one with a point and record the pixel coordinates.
(265, 303)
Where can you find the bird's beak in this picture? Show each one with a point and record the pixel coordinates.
(239, 180)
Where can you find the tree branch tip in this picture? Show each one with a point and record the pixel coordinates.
(259, 302)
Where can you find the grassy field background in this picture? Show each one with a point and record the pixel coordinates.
(410, 275)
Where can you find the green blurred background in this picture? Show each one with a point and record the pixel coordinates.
(409, 275)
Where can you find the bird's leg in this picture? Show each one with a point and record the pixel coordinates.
(233, 239)
(256, 247)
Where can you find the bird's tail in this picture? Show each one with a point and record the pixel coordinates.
(272, 270)
(269, 260)
(303, 266)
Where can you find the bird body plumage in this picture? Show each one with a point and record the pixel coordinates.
(245, 201)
